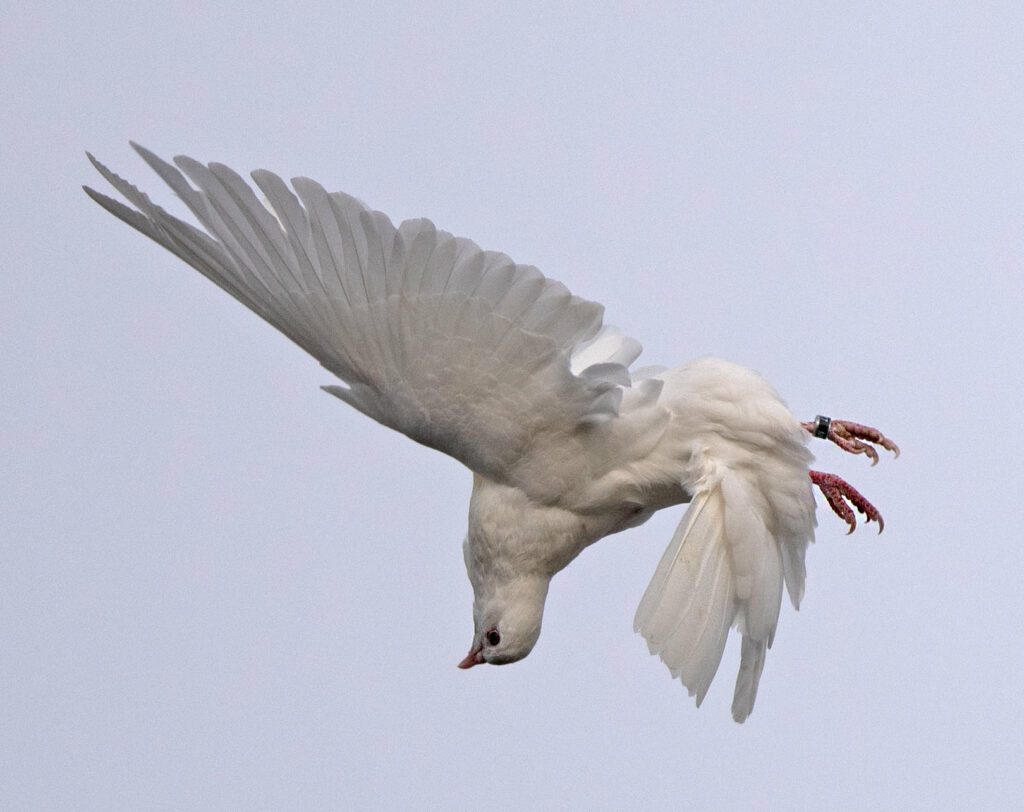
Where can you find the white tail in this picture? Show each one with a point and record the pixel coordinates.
(723, 567)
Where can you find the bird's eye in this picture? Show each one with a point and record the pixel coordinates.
(493, 638)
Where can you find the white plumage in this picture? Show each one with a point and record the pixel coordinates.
(488, 361)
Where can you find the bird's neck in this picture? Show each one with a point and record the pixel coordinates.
(512, 536)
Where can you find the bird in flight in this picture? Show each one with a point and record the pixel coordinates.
(488, 361)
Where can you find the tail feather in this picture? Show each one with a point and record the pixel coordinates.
(724, 567)
(752, 654)
(690, 549)
(691, 602)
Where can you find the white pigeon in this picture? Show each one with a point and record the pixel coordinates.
(488, 361)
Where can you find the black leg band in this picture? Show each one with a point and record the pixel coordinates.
(821, 426)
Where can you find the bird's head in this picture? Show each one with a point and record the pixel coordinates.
(506, 621)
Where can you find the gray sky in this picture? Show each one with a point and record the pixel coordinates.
(221, 588)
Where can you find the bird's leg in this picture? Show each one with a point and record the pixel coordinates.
(838, 492)
(850, 436)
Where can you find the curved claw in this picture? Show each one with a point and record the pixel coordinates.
(850, 437)
(838, 492)
(855, 446)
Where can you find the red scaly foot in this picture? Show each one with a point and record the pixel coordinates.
(838, 492)
(850, 437)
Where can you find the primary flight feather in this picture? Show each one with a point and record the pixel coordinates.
(467, 352)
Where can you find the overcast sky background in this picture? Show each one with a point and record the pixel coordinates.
(221, 588)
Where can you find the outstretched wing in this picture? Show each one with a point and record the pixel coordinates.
(458, 348)
(744, 535)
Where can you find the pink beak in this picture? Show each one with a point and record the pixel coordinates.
(475, 657)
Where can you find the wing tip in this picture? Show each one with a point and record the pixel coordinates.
(147, 155)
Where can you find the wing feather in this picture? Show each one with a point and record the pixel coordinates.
(459, 348)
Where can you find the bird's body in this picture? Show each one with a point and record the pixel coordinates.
(488, 361)
(698, 430)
